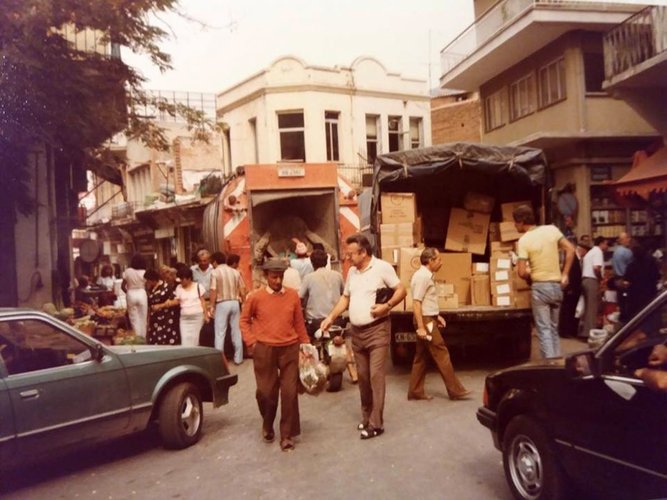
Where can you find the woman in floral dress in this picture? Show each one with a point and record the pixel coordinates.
(163, 322)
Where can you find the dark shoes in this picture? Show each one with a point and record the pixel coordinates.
(370, 433)
(419, 397)
(362, 426)
(287, 445)
(268, 436)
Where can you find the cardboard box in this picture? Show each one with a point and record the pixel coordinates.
(499, 246)
(401, 234)
(449, 302)
(444, 289)
(508, 208)
(391, 254)
(508, 232)
(467, 231)
(478, 202)
(408, 264)
(480, 268)
(501, 275)
(522, 299)
(518, 283)
(494, 231)
(480, 290)
(456, 269)
(500, 262)
(398, 207)
(503, 301)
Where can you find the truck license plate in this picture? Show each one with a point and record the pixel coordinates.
(402, 337)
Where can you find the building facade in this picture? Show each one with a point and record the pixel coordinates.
(296, 112)
(456, 117)
(539, 68)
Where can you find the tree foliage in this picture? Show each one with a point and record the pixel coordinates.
(70, 97)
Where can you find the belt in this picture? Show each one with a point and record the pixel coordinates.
(371, 324)
(224, 300)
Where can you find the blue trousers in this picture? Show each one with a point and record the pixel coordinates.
(228, 314)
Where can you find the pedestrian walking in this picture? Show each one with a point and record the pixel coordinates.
(591, 275)
(162, 321)
(538, 250)
(190, 297)
(201, 271)
(568, 323)
(227, 287)
(320, 291)
(370, 326)
(620, 260)
(272, 326)
(428, 323)
(134, 286)
(640, 280)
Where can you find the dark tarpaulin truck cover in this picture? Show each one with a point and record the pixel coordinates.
(503, 170)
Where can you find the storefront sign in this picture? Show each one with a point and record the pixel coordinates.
(164, 232)
(600, 173)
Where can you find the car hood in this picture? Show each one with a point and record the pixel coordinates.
(162, 350)
(546, 364)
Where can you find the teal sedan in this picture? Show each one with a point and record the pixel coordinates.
(61, 390)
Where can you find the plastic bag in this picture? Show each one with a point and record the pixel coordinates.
(312, 372)
(579, 310)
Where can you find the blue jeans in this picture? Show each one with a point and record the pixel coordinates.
(546, 299)
(228, 313)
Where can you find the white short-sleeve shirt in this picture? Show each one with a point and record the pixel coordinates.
(134, 278)
(594, 257)
(190, 299)
(361, 287)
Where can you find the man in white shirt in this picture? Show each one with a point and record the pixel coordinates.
(428, 322)
(201, 271)
(371, 329)
(591, 274)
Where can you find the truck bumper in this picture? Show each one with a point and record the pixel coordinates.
(489, 420)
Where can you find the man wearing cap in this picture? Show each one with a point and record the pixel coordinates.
(273, 327)
(302, 262)
(370, 326)
(568, 323)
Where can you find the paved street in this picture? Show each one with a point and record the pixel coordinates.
(430, 449)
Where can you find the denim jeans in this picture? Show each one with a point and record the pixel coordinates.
(228, 313)
(546, 299)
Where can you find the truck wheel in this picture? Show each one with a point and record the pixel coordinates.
(335, 382)
(181, 416)
(531, 467)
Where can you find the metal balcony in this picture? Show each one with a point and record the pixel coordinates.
(511, 30)
(640, 38)
(357, 175)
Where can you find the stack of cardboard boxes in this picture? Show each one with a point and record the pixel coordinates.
(459, 281)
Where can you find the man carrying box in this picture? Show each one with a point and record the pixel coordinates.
(539, 247)
(428, 322)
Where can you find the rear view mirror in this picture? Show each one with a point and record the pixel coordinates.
(98, 354)
(580, 365)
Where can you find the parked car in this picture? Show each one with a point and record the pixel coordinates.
(585, 422)
(61, 389)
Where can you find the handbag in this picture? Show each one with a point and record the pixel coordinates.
(382, 295)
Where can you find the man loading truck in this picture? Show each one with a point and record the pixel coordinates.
(459, 198)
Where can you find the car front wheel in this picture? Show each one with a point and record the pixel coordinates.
(531, 467)
(181, 416)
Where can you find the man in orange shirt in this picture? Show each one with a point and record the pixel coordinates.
(272, 325)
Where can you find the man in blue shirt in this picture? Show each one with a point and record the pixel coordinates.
(619, 262)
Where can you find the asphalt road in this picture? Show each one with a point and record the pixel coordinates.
(430, 450)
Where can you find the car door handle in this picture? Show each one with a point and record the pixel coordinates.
(32, 393)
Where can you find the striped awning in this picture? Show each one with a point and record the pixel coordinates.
(647, 175)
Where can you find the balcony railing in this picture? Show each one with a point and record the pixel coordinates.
(356, 174)
(492, 22)
(89, 40)
(638, 39)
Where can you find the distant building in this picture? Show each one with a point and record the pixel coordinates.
(456, 117)
(538, 66)
(296, 112)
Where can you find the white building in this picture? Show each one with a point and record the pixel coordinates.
(293, 111)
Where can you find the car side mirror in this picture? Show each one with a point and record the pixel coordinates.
(98, 352)
(580, 365)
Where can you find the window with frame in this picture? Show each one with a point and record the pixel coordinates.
(522, 97)
(395, 125)
(331, 129)
(31, 345)
(415, 133)
(292, 136)
(551, 81)
(372, 134)
(494, 116)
